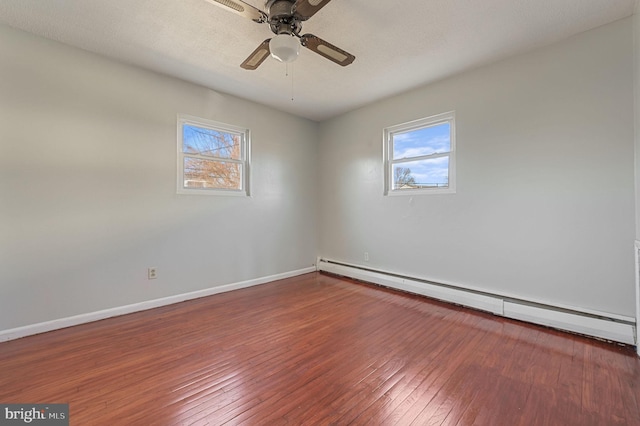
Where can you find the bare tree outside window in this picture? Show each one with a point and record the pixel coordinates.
(204, 165)
(402, 177)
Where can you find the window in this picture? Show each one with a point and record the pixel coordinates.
(420, 156)
(213, 158)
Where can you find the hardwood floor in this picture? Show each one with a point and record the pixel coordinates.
(318, 349)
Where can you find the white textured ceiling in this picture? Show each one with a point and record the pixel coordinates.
(398, 44)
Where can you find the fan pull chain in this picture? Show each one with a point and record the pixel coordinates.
(286, 73)
(291, 82)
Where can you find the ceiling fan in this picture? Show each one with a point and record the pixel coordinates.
(285, 19)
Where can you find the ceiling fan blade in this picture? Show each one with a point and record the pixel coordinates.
(305, 9)
(241, 8)
(257, 57)
(327, 50)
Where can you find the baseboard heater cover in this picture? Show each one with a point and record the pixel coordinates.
(599, 326)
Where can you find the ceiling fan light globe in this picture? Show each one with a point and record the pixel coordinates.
(284, 48)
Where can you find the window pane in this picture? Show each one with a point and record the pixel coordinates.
(425, 141)
(199, 173)
(429, 173)
(211, 143)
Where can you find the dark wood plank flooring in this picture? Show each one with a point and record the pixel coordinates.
(318, 349)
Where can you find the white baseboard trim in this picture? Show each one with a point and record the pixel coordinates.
(616, 328)
(28, 330)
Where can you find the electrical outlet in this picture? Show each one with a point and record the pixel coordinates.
(366, 256)
(152, 273)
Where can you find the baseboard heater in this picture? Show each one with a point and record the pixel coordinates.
(610, 327)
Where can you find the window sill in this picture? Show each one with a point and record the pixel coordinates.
(411, 192)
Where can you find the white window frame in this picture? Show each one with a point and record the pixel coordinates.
(245, 156)
(389, 161)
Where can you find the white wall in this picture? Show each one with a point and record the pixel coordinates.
(88, 194)
(544, 208)
(636, 81)
(636, 116)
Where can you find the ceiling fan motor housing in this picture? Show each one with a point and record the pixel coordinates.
(282, 19)
(285, 18)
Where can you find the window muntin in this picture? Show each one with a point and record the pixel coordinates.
(420, 156)
(213, 158)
